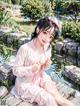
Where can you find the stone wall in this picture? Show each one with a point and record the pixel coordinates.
(12, 39)
(68, 49)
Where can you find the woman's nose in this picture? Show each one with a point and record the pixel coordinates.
(47, 38)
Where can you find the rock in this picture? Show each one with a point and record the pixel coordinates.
(6, 74)
(71, 48)
(58, 46)
(3, 91)
(5, 29)
(18, 34)
(59, 58)
(71, 59)
(62, 87)
(73, 73)
(68, 40)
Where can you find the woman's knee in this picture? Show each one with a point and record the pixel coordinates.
(46, 99)
(52, 101)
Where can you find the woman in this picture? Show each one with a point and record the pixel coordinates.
(33, 58)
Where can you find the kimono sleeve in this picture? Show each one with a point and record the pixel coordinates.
(19, 69)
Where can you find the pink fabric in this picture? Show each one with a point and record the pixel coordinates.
(27, 88)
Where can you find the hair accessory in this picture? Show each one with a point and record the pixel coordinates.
(56, 21)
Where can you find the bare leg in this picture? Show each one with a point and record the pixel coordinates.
(34, 93)
(51, 88)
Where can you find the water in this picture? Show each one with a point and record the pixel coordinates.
(57, 76)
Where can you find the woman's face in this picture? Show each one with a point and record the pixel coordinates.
(45, 36)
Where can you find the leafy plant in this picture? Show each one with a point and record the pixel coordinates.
(35, 9)
(4, 17)
(71, 29)
(72, 8)
(6, 52)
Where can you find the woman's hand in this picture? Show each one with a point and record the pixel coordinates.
(36, 67)
(47, 63)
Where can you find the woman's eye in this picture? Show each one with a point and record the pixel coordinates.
(45, 32)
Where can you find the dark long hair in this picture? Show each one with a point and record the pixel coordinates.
(44, 24)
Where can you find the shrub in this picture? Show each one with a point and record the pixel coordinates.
(71, 29)
(35, 9)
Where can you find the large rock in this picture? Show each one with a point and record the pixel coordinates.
(73, 73)
(68, 46)
(70, 51)
(6, 74)
(71, 48)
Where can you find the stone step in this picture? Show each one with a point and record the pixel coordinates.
(65, 90)
(10, 100)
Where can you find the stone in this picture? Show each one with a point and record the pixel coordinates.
(71, 60)
(58, 46)
(5, 29)
(11, 100)
(3, 91)
(59, 58)
(62, 87)
(6, 74)
(71, 47)
(73, 73)
(18, 34)
(68, 40)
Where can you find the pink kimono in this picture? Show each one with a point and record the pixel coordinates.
(27, 86)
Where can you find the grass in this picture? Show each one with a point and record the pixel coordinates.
(27, 27)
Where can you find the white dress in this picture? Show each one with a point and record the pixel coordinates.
(27, 86)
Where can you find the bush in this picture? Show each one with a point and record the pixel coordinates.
(71, 29)
(35, 9)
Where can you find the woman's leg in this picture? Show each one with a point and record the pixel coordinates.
(34, 93)
(50, 87)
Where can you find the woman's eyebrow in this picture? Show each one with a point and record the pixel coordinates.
(47, 31)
